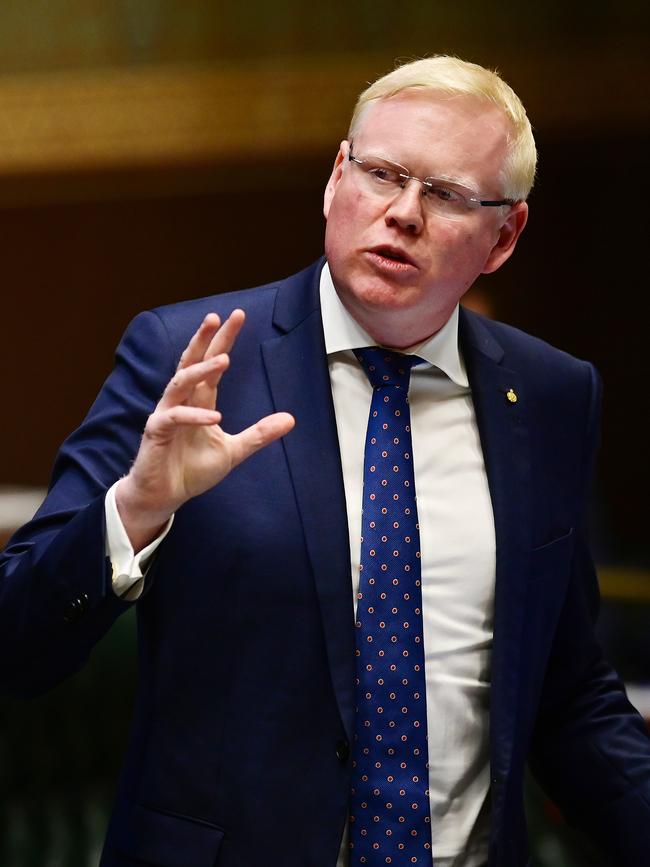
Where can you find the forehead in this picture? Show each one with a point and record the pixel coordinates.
(436, 133)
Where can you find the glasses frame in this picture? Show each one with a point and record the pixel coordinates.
(473, 201)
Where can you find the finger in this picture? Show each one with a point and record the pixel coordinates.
(264, 432)
(222, 342)
(162, 424)
(213, 378)
(198, 345)
(224, 339)
(181, 386)
(205, 393)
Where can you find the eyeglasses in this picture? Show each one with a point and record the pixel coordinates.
(444, 198)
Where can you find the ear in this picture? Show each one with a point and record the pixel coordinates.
(335, 177)
(508, 235)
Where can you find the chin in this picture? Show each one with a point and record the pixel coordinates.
(386, 297)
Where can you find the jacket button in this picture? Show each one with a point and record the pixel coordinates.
(343, 751)
(75, 609)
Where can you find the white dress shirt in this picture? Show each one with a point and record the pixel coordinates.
(458, 564)
(128, 567)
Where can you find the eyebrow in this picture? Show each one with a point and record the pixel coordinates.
(468, 183)
(379, 156)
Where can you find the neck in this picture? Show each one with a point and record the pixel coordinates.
(397, 329)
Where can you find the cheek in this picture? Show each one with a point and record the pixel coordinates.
(348, 204)
(462, 242)
(473, 253)
(481, 238)
(345, 220)
(457, 252)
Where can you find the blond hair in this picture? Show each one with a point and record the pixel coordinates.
(451, 76)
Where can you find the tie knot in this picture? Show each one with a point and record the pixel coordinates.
(384, 367)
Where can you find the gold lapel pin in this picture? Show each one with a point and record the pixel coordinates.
(512, 395)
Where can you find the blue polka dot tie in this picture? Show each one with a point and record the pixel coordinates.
(389, 805)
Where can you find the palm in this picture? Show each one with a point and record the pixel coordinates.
(188, 461)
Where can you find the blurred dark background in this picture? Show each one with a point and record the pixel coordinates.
(156, 150)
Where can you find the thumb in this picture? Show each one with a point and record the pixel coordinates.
(264, 432)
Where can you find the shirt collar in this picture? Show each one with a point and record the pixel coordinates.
(343, 332)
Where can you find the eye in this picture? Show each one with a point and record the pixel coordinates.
(384, 175)
(445, 195)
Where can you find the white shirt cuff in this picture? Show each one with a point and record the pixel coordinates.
(128, 567)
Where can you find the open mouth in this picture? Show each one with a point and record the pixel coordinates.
(393, 255)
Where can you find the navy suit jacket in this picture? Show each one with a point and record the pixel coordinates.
(239, 752)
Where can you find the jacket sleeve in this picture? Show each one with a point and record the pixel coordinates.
(56, 597)
(590, 748)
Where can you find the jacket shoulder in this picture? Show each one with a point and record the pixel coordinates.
(259, 303)
(525, 352)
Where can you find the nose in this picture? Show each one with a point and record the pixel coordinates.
(405, 210)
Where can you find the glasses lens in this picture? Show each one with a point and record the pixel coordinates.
(380, 178)
(446, 200)
(439, 197)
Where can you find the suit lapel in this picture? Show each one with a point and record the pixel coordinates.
(499, 396)
(296, 366)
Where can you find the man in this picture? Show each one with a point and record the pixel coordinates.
(276, 723)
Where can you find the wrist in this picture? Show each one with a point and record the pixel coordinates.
(142, 518)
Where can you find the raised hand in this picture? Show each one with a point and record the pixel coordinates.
(184, 451)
